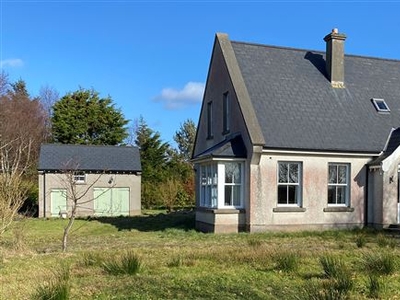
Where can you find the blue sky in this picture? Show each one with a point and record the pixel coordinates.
(152, 57)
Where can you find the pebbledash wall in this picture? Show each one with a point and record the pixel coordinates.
(56, 181)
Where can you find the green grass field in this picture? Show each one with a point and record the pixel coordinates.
(161, 256)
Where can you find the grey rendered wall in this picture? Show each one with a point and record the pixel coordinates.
(49, 181)
(218, 83)
(375, 197)
(315, 213)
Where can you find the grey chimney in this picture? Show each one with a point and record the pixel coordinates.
(335, 58)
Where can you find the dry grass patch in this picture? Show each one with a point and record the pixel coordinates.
(180, 263)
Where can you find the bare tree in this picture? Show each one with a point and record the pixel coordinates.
(14, 156)
(22, 119)
(48, 97)
(76, 194)
(131, 130)
(4, 83)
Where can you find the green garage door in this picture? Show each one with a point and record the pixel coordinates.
(111, 201)
(58, 201)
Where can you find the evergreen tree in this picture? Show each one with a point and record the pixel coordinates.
(185, 137)
(154, 158)
(82, 117)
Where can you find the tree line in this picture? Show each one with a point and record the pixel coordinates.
(84, 117)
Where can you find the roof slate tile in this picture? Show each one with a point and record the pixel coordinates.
(56, 157)
(297, 108)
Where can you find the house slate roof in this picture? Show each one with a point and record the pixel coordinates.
(391, 145)
(232, 147)
(56, 157)
(297, 108)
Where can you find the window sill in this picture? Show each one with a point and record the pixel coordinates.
(338, 209)
(288, 209)
(221, 210)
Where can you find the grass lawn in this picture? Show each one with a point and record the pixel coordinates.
(161, 256)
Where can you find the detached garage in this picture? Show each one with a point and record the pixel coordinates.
(106, 179)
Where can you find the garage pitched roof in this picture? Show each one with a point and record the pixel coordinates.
(56, 157)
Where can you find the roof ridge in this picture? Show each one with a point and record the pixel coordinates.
(313, 50)
(94, 146)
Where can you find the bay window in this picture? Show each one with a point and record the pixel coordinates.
(221, 185)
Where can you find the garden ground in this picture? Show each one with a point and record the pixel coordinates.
(161, 256)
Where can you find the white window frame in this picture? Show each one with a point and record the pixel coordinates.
(337, 184)
(225, 184)
(79, 178)
(377, 102)
(212, 189)
(208, 185)
(298, 184)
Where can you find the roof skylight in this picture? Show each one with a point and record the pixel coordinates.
(380, 105)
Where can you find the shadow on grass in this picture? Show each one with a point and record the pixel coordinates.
(184, 220)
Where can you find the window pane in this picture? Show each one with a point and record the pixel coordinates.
(228, 195)
(331, 195)
(215, 176)
(332, 174)
(232, 173)
(283, 173)
(214, 196)
(229, 173)
(282, 194)
(236, 195)
(209, 174)
(238, 174)
(293, 173)
(341, 195)
(292, 194)
(342, 174)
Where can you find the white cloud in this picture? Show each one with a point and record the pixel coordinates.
(12, 63)
(192, 93)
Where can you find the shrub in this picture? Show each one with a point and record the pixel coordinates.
(129, 264)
